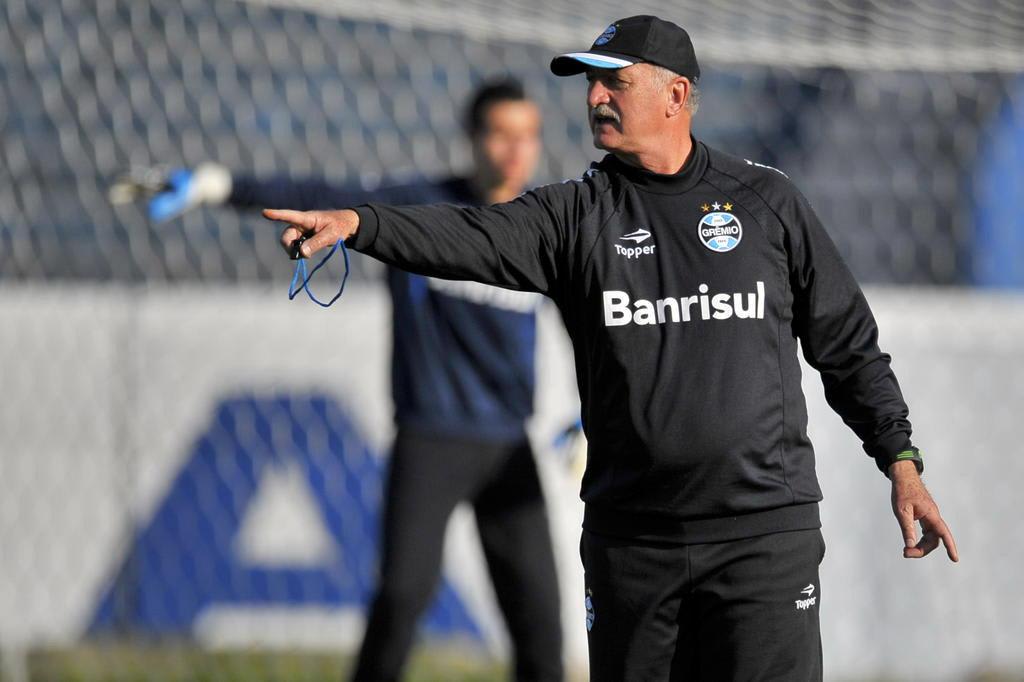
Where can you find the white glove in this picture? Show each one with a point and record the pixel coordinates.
(171, 193)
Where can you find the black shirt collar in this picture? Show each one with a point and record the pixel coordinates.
(687, 177)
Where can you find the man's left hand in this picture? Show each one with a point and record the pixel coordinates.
(911, 502)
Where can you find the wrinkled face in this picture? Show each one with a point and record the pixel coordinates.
(626, 108)
(507, 146)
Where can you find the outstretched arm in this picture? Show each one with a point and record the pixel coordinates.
(525, 244)
(172, 192)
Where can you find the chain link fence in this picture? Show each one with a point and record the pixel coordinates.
(888, 156)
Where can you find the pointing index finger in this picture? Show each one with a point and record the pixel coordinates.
(300, 218)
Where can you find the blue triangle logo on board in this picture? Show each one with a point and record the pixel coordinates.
(278, 504)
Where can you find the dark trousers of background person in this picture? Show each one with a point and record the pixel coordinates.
(738, 610)
(429, 475)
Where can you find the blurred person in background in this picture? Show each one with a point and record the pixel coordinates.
(686, 278)
(463, 382)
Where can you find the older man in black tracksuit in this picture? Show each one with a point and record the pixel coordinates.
(685, 277)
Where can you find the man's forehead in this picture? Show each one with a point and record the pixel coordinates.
(524, 103)
(514, 111)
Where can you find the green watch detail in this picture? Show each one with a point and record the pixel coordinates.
(911, 455)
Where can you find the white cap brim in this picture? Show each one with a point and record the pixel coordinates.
(572, 63)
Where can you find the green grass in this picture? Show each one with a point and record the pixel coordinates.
(120, 662)
(183, 663)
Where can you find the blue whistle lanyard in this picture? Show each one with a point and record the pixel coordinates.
(300, 273)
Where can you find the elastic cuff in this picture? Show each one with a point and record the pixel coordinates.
(369, 225)
(910, 454)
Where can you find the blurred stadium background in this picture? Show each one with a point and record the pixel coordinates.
(184, 496)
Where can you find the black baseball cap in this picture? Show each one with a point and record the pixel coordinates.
(643, 38)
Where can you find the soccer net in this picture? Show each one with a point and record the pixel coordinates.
(885, 113)
(170, 468)
(949, 36)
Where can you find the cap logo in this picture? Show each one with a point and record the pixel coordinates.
(608, 34)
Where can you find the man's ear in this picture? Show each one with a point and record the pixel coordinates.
(679, 90)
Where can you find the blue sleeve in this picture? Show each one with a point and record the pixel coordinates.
(312, 193)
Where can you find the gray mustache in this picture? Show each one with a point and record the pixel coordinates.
(603, 111)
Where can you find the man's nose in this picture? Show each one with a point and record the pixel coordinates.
(597, 93)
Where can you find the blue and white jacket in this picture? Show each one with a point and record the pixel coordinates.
(463, 352)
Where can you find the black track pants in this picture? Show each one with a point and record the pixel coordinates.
(429, 475)
(739, 610)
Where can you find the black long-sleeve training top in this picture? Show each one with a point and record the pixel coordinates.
(684, 296)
